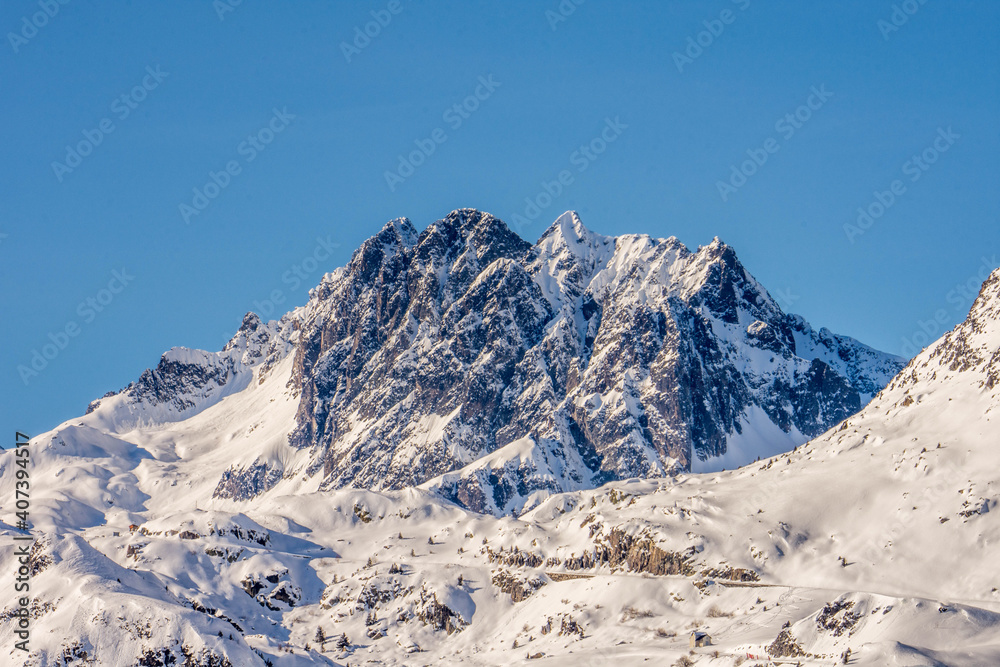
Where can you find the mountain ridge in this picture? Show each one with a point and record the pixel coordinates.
(600, 357)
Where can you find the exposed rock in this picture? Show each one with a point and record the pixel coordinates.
(517, 588)
(785, 646)
(437, 615)
(248, 482)
(640, 554)
(837, 617)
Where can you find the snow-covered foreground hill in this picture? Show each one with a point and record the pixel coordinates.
(878, 537)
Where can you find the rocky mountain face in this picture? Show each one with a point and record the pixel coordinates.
(468, 360)
(187, 381)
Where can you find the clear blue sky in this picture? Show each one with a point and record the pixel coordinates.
(67, 228)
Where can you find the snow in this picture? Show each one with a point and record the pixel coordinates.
(759, 438)
(905, 492)
(187, 356)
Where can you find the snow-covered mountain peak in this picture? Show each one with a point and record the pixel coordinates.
(566, 258)
(396, 236)
(983, 322)
(401, 229)
(188, 381)
(969, 353)
(253, 340)
(469, 227)
(568, 232)
(715, 247)
(429, 355)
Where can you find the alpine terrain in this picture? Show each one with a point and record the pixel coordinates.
(498, 372)
(466, 449)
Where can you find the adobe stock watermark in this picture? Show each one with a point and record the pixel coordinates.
(122, 107)
(714, 28)
(960, 297)
(363, 35)
(786, 126)
(913, 168)
(223, 7)
(899, 17)
(87, 310)
(785, 298)
(454, 116)
(581, 159)
(248, 149)
(562, 12)
(30, 25)
(297, 275)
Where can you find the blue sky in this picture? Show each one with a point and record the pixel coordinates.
(898, 118)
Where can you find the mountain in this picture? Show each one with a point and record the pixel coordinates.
(467, 360)
(877, 536)
(872, 542)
